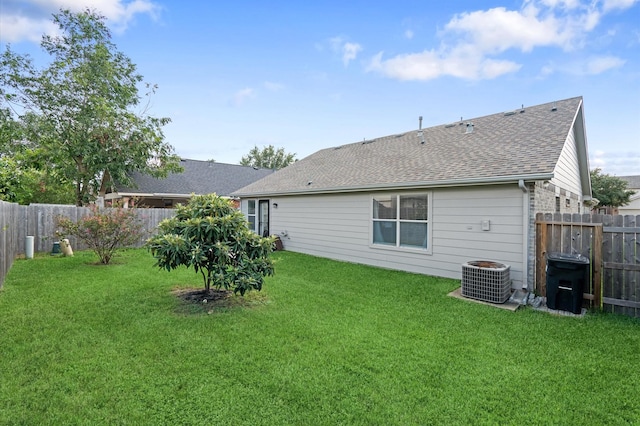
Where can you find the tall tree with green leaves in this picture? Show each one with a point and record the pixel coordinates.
(24, 179)
(26, 174)
(610, 191)
(80, 110)
(268, 158)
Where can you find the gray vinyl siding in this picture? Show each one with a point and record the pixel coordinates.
(566, 175)
(323, 225)
(338, 226)
(633, 208)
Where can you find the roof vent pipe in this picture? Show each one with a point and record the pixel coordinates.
(420, 132)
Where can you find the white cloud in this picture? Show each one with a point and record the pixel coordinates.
(473, 43)
(597, 160)
(32, 18)
(349, 51)
(564, 4)
(241, 96)
(591, 66)
(492, 68)
(120, 12)
(414, 66)
(498, 29)
(600, 64)
(17, 28)
(430, 65)
(408, 34)
(618, 4)
(617, 163)
(590, 20)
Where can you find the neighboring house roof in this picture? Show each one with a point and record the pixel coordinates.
(520, 144)
(633, 182)
(199, 177)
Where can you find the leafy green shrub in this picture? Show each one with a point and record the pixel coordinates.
(213, 238)
(105, 230)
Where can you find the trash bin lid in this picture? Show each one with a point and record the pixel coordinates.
(569, 258)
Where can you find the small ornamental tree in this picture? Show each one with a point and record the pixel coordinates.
(213, 238)
(609, 190)
(105, 230)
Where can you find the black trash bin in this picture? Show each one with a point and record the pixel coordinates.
(567, 275)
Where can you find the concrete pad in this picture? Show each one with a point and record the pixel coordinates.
(508, 305)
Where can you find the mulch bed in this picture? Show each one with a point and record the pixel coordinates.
(198, 300)
(192, 295)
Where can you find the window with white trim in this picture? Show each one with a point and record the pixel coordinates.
(401, 220)
(251, 214)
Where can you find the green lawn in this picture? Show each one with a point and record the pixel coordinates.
(324, 343)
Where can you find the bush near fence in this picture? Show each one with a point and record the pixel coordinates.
(39, 220)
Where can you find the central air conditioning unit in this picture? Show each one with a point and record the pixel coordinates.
(486, 280)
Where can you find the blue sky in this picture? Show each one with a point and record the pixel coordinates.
(310, 75)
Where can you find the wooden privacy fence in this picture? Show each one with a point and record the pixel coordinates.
(611, 244)
(9, 237)
(39, 221)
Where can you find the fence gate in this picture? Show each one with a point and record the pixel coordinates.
(570, 234)
(609, 242)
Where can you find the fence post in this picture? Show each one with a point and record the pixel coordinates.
(597, 267)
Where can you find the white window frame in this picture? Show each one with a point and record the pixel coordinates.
(261, 208)
(398, 221)
(254, 214)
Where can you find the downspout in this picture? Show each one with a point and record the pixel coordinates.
(525, 234)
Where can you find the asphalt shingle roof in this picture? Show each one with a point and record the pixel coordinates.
(514, 143)
(633, 182)
(199, 177)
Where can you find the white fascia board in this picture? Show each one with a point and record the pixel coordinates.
(168, 195)
(115, 195)
(582, 150)
(172, 195)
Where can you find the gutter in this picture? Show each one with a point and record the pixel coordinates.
(113, 195)
(400, 186)
(525, 234)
